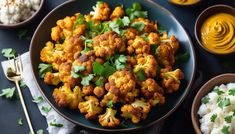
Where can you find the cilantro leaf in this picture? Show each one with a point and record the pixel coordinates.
(44, 68)
(141, 75)
(8, 92)
(20, 121)
(135, 11)
(138, 26)
(97, 68)
(225, 130)
(213, 117)
(126, 21)
(140, 14)
(108, 69)
(22, 84)
(80, 20)
(46, 110)
(110, 104)
(40, 131)
(38, 99)
(205, 100)
(9, 52)
(232, 92)
(154, 48)
(120, 62)
(182, 57)
(53, 123)
(233, 112)
(100, 82)
(86, 80)
(228, 118)
(223, 103)
(77, 68)
(218, 91)
(161, 30)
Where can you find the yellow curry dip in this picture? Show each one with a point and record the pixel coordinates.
(185, 2)
(217, 33)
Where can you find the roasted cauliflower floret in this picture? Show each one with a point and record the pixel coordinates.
(101, 11)
(65, 74)
(72, 45)
(138, 46)
(56, 33)
(136, 111)
(171, 79)
(148, 26)
(106, 44)
(131, 33)
(99, 91)
(149, 87)
(122, 84)
(108, 119)
(66, 23)
(90, 107)
(165, 55)
(131, 61)
(52, 78)
(118, 12)
(147, 63)
(87, 90)
(154, 38)
(109, 97)
(65, 96)
(86, 60)
(157, 98)
(172, 41)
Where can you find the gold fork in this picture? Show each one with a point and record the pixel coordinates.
(15, 74)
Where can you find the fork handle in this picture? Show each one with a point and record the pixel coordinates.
(24, 107)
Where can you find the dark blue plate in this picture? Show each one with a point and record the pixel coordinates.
(156, 12)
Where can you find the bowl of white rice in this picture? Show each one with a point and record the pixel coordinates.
(213, 109)
(16, 13)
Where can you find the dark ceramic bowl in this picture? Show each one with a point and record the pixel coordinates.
(204, 15)
(23, 23)
(186, 5)
(205, 89)
(156, 12)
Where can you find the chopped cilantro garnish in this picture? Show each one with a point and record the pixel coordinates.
(161, 30)
(218, 91)
(22, 84)
(225, 130)
(40, 131)
(46, 110)
(44, 68)
(213, 117)
(110, 104)
(182, 57)
(53, 123)
(228, 118)
(38, 99)
(8, 92)
(233, 112)
(9, 52)
(120, 62)
(100, 82)
(135, 11)
(141, 75)
(79, 21)
(224, 102)
(86, 80)
(231, 92)
(98, 68)
(205, 100)
(20, 121)
(138, 26)
(77, 68)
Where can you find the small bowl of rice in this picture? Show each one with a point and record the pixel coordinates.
(17, 13)
(213, 109)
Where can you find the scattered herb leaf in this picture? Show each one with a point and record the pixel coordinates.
(86, 80)
(223, 103)
(44, 68)
(228, 118)
(232, 92)
(22, 84)
(110, 104)
(38, 99)
(9, 52)
(20, 121)
(154, 49)
(79, 21)
(77, 68)
(100, 82)
(40, 131)
(46, 110)
(123, 124)
(8, 92)
(205, 100)
(225, 130)
(22, 33)
(53, 123)
(138, 26)
(120, 62)
(213, 117)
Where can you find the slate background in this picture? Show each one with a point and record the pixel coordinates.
(208, 66)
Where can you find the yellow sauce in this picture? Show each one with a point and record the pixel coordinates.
(217, 33)
(185, 2)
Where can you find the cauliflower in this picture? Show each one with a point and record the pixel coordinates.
(165, 55)
(154, 38)
(109, 97)
(86, 60)
(90, 107)
(171, 79)
(65, 74)
(172, 41)
(50, 55)
(131, 61)
(79, 30)
(101, 11)
(56, 33)
(87, 90)
(148, 26)
(138, 46)
(118, 12)
(72, 45)
(149, 87)
(106, 44)
(130, 33)
(157, 98)
(136, 111)
(122, 84)
(108, 119)
(147, 63)
(67, 97)
(99, 91)
(52, 78)
(66, 23)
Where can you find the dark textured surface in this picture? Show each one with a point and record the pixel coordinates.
(208, 66)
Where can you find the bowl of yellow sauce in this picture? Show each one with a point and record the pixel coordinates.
(215, 29)
(185, 2)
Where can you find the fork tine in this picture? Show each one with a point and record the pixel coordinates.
(18, 65)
